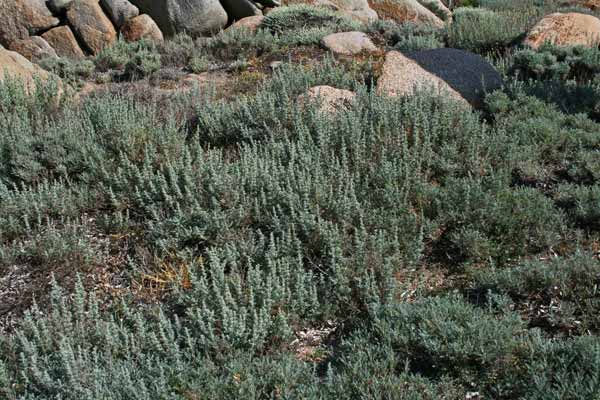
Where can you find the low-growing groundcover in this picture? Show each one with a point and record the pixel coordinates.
(254, 247)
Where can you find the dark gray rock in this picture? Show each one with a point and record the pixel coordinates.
(58, 6)
(195, 17)
(238, 9)
(462, 75)
(119, 11)
(269, 3)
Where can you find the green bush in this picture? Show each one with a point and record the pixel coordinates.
(569, 97)
(569, 368)
(135, 60)
(582, 204)
(409, 36)
(547, 146)
(255, 247)
(448, 337)
(142, 64)
(198, 65)
(485, 31)
(482, 222)
(282, 20)
(235, 44)
(444, 347)
(560, 295)
(578, 63)
(71, 71)
(177, 51)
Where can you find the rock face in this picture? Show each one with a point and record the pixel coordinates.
(119, 11)
(405, 11)
(63, 41)
(249, 23)
(238, 9)
(566, 30)
(21, 18)
(466, 77)
(196, 17)
(91, 25)
(141, 27)
(33, 48)
(16, 66)
(331, 99)
(356, 9)
(438, 8)
(348, 43)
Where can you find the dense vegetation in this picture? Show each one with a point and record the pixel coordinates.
(236, 245)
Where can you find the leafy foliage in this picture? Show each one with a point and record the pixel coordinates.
(409, 36)
(561, 294)
(480, 30)
(294, 18)
(253, 246)
(552, 62)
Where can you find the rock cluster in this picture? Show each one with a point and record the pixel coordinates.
(70, 28)
(433, 12)
(36, 29)
(75, 28)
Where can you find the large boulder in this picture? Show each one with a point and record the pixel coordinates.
(405, 11)
(14, 65)
(195, 17)
(330, 99)
(119, 11)
(91, 25)
(356, 9)
(464, 76)
(141, 27)
(238, 9)
(251, 24)
(565, 30)
(33, 48)
(21, 18)
(348, 43)
(63, 41)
